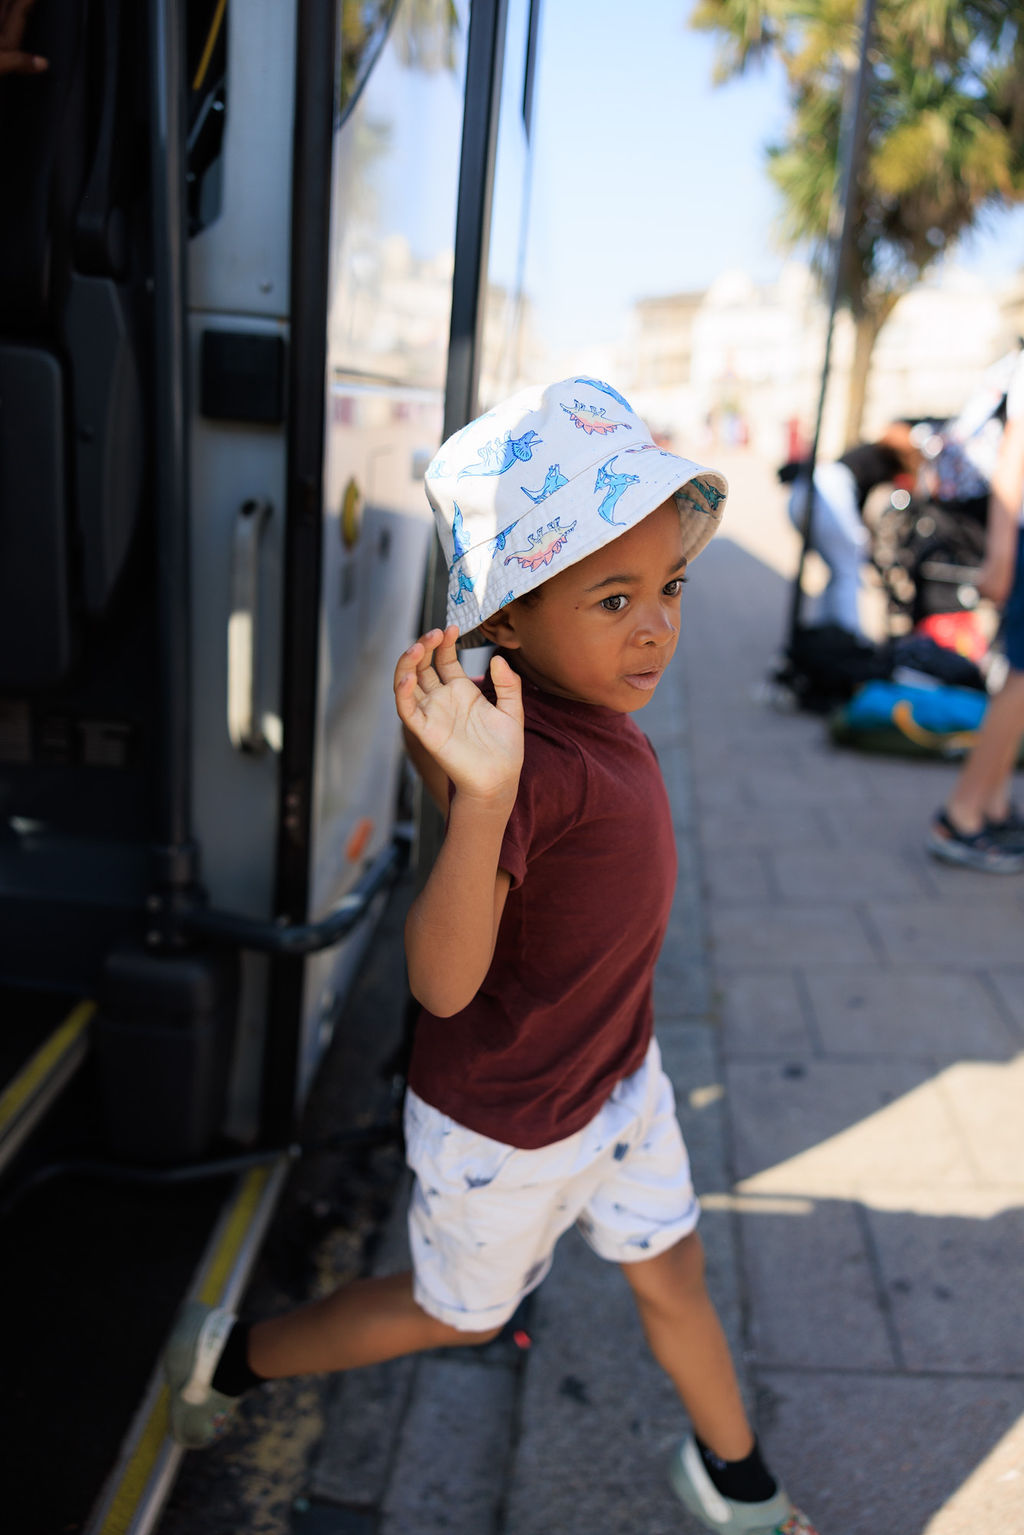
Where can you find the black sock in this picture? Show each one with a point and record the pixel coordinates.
(234, 1374)
(746, 1481)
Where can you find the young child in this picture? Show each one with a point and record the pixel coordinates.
(536, 1097)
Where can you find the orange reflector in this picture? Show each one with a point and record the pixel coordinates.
(361, 834)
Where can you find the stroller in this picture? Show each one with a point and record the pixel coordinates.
(928, 548)
(927, 553)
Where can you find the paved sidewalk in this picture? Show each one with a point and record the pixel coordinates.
(844, 1022)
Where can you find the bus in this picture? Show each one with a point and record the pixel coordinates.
(259, 257)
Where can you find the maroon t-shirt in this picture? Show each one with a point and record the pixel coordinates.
(565, 1010)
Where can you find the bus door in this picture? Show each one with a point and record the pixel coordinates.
(394, 180)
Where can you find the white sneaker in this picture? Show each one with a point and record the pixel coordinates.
(694, 1488)
(198, 1413)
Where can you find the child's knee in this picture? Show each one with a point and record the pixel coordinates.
(676, 1272)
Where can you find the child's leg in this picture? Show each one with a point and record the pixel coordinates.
(687, 1340)
(212, 1358)
(362, 1323)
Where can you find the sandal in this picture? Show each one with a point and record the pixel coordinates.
(974, 850)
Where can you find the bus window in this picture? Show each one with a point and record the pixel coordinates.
(364, 26)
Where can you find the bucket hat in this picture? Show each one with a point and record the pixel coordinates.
(545, 479)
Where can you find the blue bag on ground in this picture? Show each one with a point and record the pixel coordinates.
(910, 721)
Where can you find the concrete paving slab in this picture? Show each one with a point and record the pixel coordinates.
(881, 1455)
(815, 874)
(882, 824)
(828, 1128)
(681, 989)
(728, 751)
(599, 1417)
(690, 1057)
(361, 1428)
(741, 827)
(987, 1101)
(931, 932)
(450, 1466)
(936, 1266)
(763, 1013)
(690, 1060)
(907, 782)
(1009, 988)
(366, 1408)
(685, 934)
(737, 875)
(785, 937)
(934, 1014)
(812, 1287)
(836, 782)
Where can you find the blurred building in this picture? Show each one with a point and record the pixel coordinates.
(740, 363)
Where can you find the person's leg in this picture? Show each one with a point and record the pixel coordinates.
(982, 791)
(362, 1323)
(687, 1340)
(839, 535)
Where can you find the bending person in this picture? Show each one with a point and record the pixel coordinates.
(838, 533)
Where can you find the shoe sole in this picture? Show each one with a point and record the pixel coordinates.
(965, 857)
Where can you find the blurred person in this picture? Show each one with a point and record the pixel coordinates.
(979, 826)
(959, 455)
(14, 16)
(838, 531)
(537, 1100)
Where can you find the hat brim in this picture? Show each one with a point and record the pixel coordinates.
(566, 527)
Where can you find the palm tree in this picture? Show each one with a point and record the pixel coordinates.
(943, 141)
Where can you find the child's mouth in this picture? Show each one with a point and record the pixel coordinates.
(646, 682)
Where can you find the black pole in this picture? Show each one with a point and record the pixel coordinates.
(174, 853)
(313, 147)
(485, 51)
(485, 54)
(840, 229)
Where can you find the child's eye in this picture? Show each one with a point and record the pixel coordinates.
(675, 586)
(614, 604)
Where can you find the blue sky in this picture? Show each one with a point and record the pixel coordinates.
(648, 178)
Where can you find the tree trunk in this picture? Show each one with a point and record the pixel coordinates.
(867, 328)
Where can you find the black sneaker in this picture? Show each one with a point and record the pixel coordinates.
(974, 850)
(1009, 831)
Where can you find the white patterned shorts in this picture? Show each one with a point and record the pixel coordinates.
(485, 1217)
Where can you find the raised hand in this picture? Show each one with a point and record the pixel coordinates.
(479, 745)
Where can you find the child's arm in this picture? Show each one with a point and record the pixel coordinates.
(453, 923)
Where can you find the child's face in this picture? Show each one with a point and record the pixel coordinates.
(603, 630)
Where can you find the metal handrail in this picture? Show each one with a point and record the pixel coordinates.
(298, 938)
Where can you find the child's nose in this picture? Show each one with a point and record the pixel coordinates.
(656, 627)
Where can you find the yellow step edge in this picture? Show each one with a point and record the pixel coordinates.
(22, 1088)
(151, 1458)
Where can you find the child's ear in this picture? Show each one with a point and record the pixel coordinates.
(500, 628)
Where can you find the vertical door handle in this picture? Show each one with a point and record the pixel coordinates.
(244, 726)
